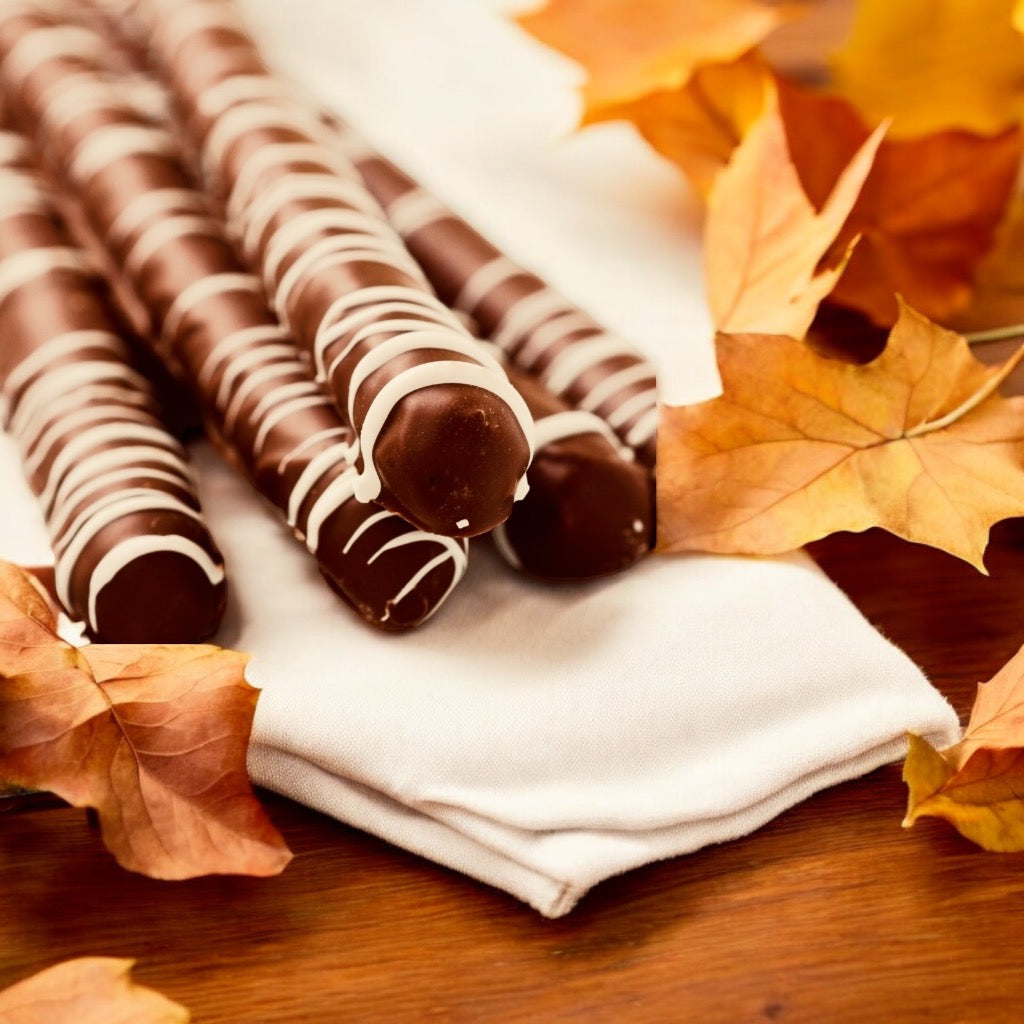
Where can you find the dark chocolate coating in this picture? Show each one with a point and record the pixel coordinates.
(589, 511)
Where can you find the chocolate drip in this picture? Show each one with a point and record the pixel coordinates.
(211, 316)
(134, 560)
(443, 439)
(539, 329)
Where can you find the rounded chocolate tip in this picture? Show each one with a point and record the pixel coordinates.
(159, 598)
(451, 460)
(392, 575)
(583, 518)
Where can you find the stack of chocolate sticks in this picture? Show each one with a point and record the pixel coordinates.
(382, 375)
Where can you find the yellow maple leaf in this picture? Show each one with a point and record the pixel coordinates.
(977, 785)
(932, 65)
(799, 446)
(699, 124)
(764, 241)
(630, 48)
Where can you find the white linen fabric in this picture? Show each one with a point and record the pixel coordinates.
(539, 738)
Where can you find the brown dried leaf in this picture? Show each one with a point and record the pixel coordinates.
(89, 990)
(630, 48)
(153, 737)
(764, 241)
(977, 785)
(799, 446)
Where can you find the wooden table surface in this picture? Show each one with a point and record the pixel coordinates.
(832, 912)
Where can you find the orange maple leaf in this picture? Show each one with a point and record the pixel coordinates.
(630, 48)
(764, 242)
(799, 446)
(153, 737)
(927, 213)
(699, 124)
(977, 785)
(88, 990)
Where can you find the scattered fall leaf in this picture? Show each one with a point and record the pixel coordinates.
(764, 241)
(799, 446)
(932, 65)
(699, 124)
(977, 785)
(630, 48)
(926, 216)
(89, 990)
(153, 737)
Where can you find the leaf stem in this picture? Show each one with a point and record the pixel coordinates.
(972, 401)
(995, 334)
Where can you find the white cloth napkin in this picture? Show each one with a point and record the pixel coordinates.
(539, 738)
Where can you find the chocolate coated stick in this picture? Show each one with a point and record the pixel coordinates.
(134, 560)
(540, 330)
(262, 405)
(443, 438)
(590, 508)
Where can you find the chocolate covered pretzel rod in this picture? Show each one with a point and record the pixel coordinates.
(134, 560)
(539, 329)
(263, 406)
(589, 511)
(443, 438)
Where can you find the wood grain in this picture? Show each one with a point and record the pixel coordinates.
(830, 913)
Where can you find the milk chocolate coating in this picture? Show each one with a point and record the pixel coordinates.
(590, 508)
(263, 408)
(444, 439)
(539, 330)
(134, 560)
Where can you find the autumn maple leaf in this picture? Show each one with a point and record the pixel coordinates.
(978, 784)
(799, 446)
(698, 124)
(933, 65)
(926, 216)
(764, 241)
(88, 990)
(153, 737)
(631, 48)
